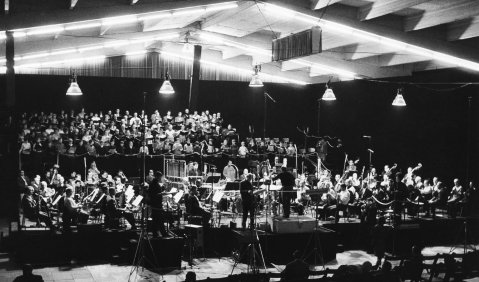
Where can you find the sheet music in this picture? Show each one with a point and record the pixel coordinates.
(137, 201)
(217, 196)
(129, 193)
(178, 196)
(100, 198)
(56, 200)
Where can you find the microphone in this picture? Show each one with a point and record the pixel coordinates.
(366, 136)
(371, 151)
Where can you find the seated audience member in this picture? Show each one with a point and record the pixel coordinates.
(297, 270)
(28, 275)
(190, 276)
(31, 210)
(386, 274)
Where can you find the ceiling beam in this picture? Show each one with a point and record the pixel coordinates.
(384, 7)
(221, 16)
(73, 3)
(319, 4)
(432, 44)
(361, 69)
(463, 29)
(93, 11)
(458, 10)
(392, 59)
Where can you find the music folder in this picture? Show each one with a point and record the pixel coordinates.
(235, 185)
(213, 179)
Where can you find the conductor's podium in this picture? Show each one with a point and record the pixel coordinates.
(295, 224)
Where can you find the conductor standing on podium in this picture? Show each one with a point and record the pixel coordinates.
(287, 180)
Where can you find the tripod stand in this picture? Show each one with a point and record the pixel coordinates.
(251, 251)
(466, 246)
(316, 251)
(140, 259)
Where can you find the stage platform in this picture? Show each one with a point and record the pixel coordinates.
(91, 242)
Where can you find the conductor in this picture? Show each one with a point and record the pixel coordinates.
(287, 180)
(155, 193)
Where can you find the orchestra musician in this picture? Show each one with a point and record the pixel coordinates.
(194, 208)
(31, 209)
(229, 172)
(342, 201)
(112, 212)
(247, 200)
(71, 211)
(287, 181)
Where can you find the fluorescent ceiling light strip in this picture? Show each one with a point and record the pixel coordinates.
(45, 30)
(3, 61)
(219, 7)
(82, 26)
(67, 61)
(134, 53)
(118, 43)
(223, 66)
(62, 52)
(111, 44)
(119, 20)
(35, 56)
(340, 72)
(19, 34)
(184, 12)
(3, 69)
(109, 21)
(248, 48)
(395, 44)
(89, 48)
(161, 15)
(3, 35)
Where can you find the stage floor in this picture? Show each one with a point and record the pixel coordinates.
(212, 268)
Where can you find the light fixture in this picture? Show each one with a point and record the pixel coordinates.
(255, 80)
(166, 87)
(74, 89)
(399, 99)
(328, 94)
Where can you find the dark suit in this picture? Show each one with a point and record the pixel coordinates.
(22, 183)
(156, 204)
(287, 180)
(31, 211)
(247, 201)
